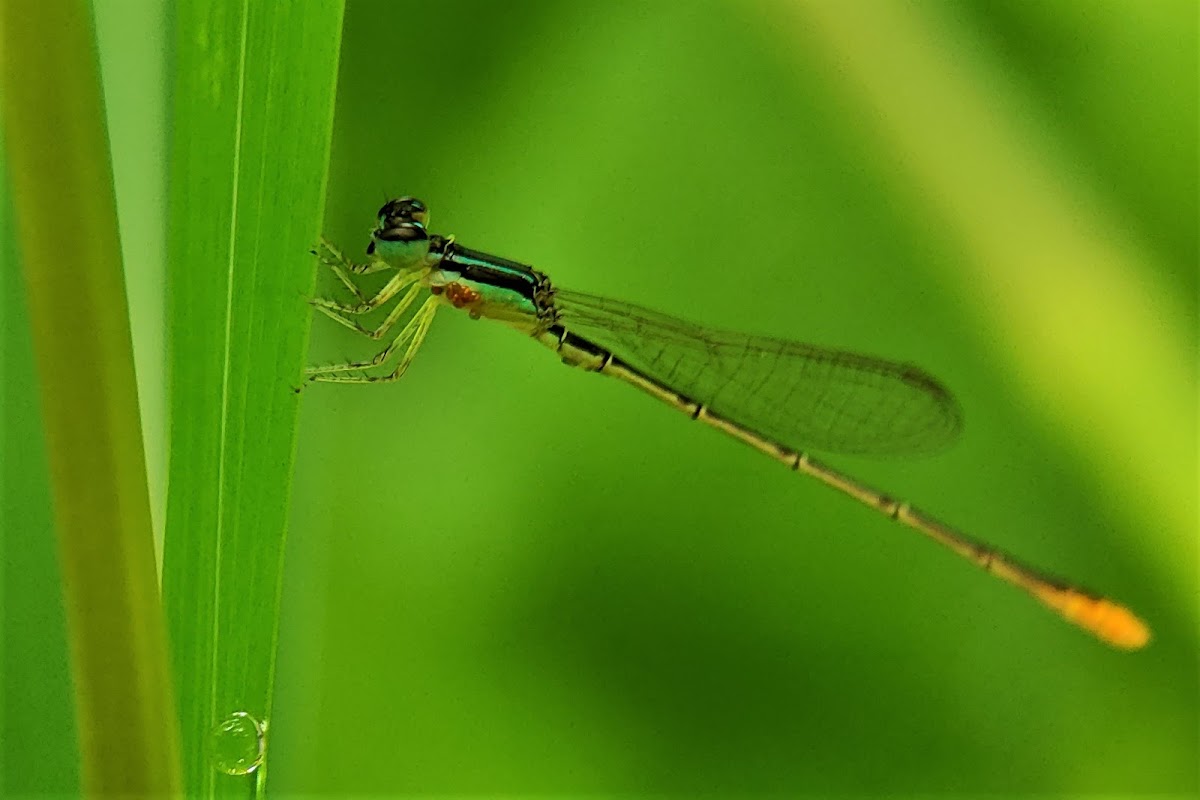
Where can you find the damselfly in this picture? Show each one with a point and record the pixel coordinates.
(777, 396)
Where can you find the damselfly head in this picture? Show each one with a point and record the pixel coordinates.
(400, 237)
(402, 244)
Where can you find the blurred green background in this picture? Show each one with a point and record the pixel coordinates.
(506, 576)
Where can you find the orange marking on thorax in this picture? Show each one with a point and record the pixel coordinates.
(460, 295)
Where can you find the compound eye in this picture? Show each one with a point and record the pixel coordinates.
(414, 209)
(402, 232)
(404, 209)
(404, 245)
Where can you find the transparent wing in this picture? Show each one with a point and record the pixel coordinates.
(802, 396)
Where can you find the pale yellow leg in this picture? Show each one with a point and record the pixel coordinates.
(333, 258)
(412, 334)
(326, 306)
(389, 290)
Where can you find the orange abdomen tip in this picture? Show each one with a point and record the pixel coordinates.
(1111, 622)
(1119, 626)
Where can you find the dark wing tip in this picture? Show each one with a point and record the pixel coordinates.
(946, 423)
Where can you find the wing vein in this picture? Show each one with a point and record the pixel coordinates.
(799, 395)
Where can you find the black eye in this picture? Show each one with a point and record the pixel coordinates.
(404, 209)
(401, 232)
(411, 205)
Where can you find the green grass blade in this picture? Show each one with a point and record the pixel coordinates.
(254, 88)
(37, 711)
(67, 228)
